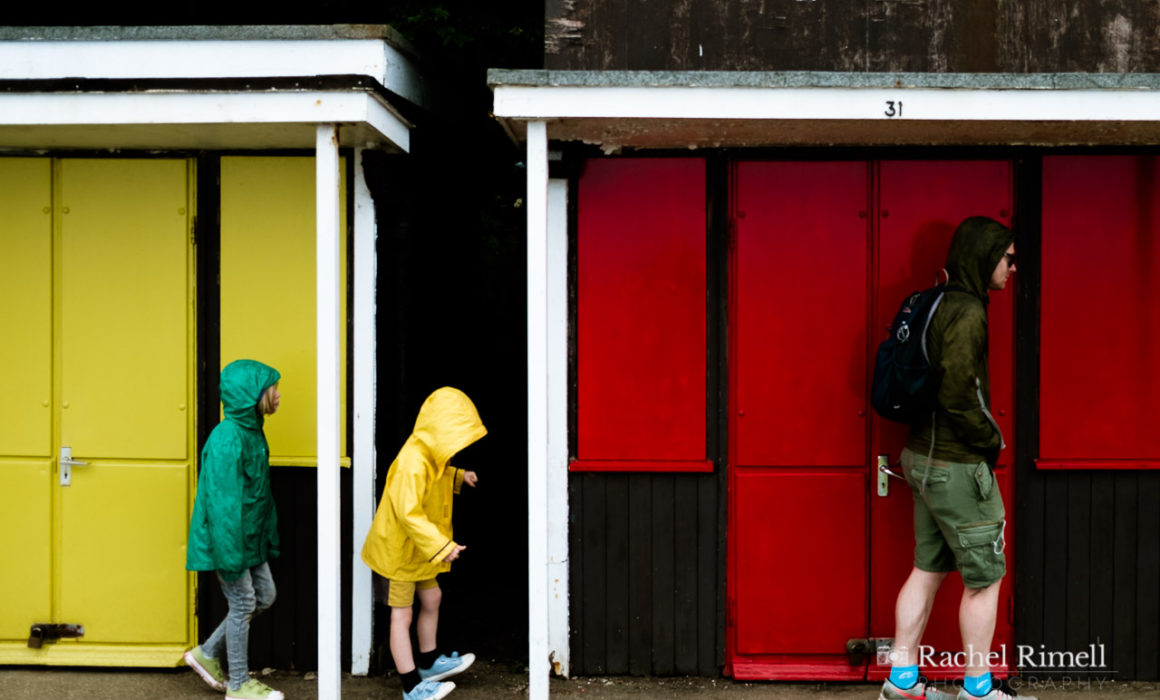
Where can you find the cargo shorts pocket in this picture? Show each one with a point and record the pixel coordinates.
(980, 553)
(984, 480)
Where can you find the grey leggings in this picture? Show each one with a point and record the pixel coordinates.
(248, 595)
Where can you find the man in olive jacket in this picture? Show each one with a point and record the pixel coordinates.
(949, 461)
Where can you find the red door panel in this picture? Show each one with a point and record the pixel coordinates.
(641, 312)
(799, 544)
(1097, 399)
(920, 206)
(800, 311)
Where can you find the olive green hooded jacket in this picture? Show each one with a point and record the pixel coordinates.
(964, 429)
(234, 524)
(411, 531)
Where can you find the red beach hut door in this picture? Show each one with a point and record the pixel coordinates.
(823, 253)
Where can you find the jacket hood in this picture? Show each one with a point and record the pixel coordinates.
(447, 423)
(242, 384)
(976, 248)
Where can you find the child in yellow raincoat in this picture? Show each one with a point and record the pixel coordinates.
(410, 538)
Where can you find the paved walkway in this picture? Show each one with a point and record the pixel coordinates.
(486, 681)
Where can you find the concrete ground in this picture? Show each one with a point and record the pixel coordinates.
(485, 681)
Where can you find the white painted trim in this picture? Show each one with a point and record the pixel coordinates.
(957, 104)
(538, 458)
(30, 60)
(308, 107)
(365, 399)
(329, 513)
(557, 366)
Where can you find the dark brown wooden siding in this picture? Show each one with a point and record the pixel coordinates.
(853, 35)
(646, 585)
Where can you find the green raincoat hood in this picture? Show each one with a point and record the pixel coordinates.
(242, 384)
(978, 245)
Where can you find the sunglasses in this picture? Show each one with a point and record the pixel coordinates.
(1010, 259)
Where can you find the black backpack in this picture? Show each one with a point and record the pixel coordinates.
(903, 389)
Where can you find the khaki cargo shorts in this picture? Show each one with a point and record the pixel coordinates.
(402, 593)
(959, 519)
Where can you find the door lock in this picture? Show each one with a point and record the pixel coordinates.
(66, 465)
(42, 632)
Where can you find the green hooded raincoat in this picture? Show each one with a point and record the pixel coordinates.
(411, 532)
(965, 431)
(234, 525)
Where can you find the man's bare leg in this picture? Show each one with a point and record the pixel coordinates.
(911, 614)
(977, 613)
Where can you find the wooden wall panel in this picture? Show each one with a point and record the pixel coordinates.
(645, 567)
(853, 35)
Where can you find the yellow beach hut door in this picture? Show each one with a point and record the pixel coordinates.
(96, 410)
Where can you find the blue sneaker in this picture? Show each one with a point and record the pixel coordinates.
(429, 690)
(446, 666)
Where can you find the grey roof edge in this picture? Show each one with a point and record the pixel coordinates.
(240, 32)
(497, 77)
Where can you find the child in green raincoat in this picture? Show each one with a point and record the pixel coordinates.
(234, 528)
(410, 538)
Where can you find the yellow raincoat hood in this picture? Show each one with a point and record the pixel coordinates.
(411, 532)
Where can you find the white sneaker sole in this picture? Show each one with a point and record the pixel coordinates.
(465, 662)
(444, 690)
(274, 695)
(191, 661)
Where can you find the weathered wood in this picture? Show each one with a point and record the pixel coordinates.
(1101, 628)
(664, 557)
(592, 553)
(1148, 579)
(1123, 613)
(640, 570)
(617, 581)
(853, 35)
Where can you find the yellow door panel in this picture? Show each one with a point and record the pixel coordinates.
(25, 307)
(124, 316)
(123, 554)
(25, 546)
(268, 309)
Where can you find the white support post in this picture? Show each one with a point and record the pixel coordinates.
(557, 359)
(537, 203)
(329, 544)
(365, 387)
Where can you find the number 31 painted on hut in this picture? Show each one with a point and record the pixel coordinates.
(893, 109)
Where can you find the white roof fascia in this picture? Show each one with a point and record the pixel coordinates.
(165, 108)
(813, 103)
(210, 59)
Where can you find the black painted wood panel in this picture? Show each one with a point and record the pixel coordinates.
(643, 602)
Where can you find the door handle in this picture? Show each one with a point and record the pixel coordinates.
(66, 465)
(884, 474)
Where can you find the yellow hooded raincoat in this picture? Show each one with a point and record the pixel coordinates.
(411, 532)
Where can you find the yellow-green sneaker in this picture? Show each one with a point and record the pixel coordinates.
(254, 689)
(209, 669)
